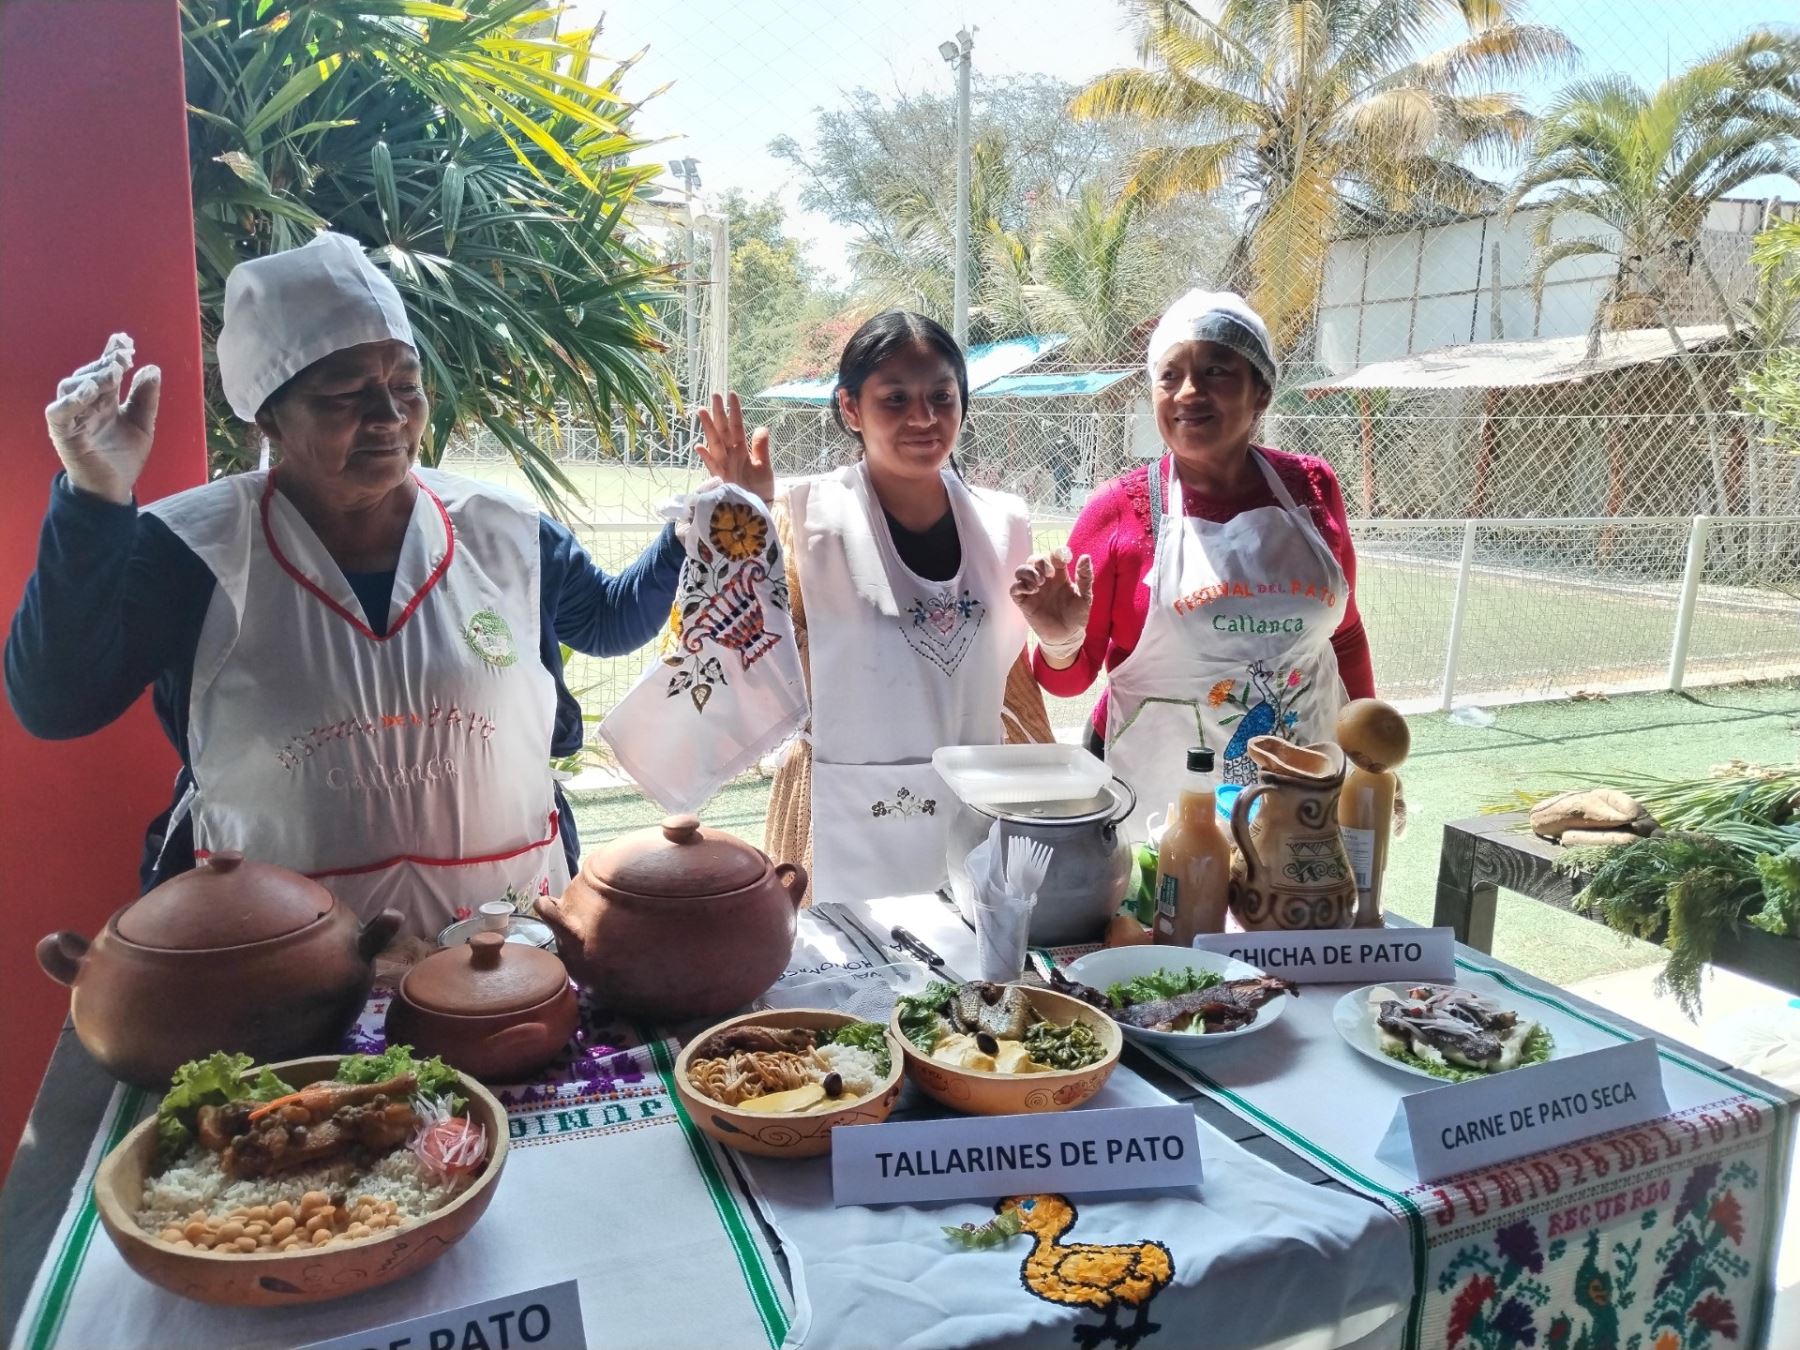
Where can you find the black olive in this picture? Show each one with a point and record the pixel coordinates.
(986, 1043)
(834, 1085)
(297, 1133)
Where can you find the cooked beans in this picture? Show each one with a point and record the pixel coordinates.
(318, 1220)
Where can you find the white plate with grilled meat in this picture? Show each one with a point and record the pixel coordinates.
(1236, 999)
(1440, 1032)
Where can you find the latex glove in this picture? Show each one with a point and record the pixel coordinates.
(102, 442)
(732, 457)
(1056, 602)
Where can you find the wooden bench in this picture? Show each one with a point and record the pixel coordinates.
(1487, 854)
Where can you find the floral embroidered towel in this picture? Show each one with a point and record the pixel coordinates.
(728, 687)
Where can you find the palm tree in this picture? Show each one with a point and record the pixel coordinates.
(1646, 166)
(481, 164)
(1098, 275)
(1313, 110)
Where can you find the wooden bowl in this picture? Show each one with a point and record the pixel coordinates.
(980, 1093)
(784, 1136)
(273, 1280)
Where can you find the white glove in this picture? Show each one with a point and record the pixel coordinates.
(103, 443)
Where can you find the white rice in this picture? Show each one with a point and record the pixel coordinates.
(198, 1182)
(856, 1066)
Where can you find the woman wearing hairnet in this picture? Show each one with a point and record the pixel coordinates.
(357, 659)
(1216, 586)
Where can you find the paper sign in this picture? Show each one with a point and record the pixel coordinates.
(539, 1319)
(1343, 955)
(1127, 1148)
(1523, 1111)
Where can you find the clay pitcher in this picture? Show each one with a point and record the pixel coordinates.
(1292, 871)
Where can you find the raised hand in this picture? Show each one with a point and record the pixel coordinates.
(102, 442)
(729, 455)
(1055, 600)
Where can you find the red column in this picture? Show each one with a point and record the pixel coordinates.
(96, 237)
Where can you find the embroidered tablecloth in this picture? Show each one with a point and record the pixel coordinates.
(1656, 1238)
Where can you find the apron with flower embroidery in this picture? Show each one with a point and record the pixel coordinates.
(900, 666)
(410, 770)
(1236, 642)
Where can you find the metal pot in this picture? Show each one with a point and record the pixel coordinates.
(1089, 873)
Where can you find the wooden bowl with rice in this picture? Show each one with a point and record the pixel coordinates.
(802, 1134)
(347, 1265)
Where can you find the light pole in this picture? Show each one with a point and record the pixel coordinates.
(688, 170)
(958, 54)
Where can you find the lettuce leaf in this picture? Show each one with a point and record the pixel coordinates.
(921, 1018)
(1538, 1046)
(1159, 984)
(213, 1081)
(864, 1036)
(436, 1078)
(1780, 874)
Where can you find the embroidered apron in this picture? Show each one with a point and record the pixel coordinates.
(410, 770)
(1236, 642)
(900, 666)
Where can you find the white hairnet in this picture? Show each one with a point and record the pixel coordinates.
(1215, 316)
(287, 310)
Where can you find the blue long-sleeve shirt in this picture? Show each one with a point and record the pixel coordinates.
(117, 602)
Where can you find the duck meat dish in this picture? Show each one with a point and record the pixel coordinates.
(1222, 1007)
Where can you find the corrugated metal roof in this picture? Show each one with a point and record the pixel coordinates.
(1514, 365)
(987, 361)
(1074, 384)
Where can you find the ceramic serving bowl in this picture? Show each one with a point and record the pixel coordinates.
(1114, 965)
(784, 1136)
(979, 1093)
(282, 1279)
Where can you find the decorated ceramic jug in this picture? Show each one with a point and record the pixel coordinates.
(1291, 870)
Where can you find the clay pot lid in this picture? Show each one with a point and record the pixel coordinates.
(678, 859)
(224, 902)
(484, 976)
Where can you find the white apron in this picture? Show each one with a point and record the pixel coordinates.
(1236, 643)
(410, 770)
(900, 666)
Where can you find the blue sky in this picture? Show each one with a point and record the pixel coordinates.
(746, 71)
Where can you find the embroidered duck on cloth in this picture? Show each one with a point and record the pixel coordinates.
(1101, 1276)
(940, 627)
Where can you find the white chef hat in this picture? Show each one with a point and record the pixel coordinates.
(1215, 316)
(287, 310)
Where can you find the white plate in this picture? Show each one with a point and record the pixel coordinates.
(1355, 1022)
(1110, 965)
(1001, 774)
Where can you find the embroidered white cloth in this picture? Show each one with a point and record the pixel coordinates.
(728, 687)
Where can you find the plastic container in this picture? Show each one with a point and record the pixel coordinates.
(999, 774)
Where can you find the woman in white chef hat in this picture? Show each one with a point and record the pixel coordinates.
(357, 659)
(1215, 587)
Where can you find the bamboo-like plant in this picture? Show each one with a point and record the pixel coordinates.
(1308, 111)
(482, 159)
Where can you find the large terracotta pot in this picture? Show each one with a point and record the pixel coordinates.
(497, 1010)
(236, 956)
(1291, 870)
(677, 922)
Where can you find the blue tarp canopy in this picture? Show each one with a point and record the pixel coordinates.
(991, 372)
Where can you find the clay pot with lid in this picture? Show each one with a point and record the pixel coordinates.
(234, 955)
(497, 1010)
(677, 922)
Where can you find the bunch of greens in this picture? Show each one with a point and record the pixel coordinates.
(922, 1015)
(864, 1036)
(1538, 1046)
(1160, 984)
(1731, 855)
(213, 1081)
(1072, 1047)
(436, 1078)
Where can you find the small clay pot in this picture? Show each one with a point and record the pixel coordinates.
(497, 1010)
(678, 922)
(234, 955)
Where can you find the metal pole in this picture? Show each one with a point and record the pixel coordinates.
(721, 306)
(966, 46)
(1690, 591)
(1458, 608)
